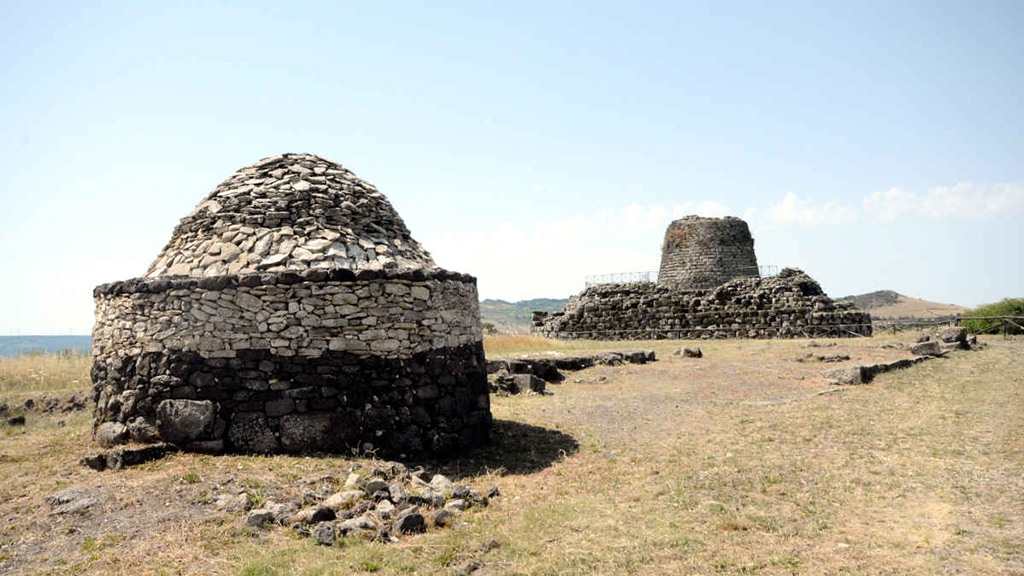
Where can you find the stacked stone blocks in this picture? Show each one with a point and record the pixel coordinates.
(700, 253)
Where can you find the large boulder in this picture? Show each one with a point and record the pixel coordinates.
(183, 421)
(953, 335)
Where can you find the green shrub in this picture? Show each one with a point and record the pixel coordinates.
(1007, 307)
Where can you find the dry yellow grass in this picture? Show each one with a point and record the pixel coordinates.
(731, 464)
(517, 344)
(34, 375)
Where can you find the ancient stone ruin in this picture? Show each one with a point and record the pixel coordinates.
(706, 252)
(709, 286)
(293, 312)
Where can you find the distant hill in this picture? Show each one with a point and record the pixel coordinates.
(516, 316)
(889, 304)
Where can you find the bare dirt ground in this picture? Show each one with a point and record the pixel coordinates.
(741, 462)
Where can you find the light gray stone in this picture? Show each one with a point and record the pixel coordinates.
(930, 348)
(111, 434)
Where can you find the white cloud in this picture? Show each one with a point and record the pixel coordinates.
(964, 200)
(795, 210)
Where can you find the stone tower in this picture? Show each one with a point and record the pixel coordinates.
(703, 253)
(292, 311)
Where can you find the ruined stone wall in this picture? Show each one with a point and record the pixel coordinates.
(788, 305)
(333, 360)
(700, 253)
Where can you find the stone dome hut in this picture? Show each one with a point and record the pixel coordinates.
(701, 253)
(292, 311)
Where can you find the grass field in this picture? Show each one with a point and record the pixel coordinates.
(742, 462)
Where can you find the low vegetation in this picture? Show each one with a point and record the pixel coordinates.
(1007, 307)
(741, 462)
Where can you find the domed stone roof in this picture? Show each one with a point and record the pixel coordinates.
(290, 212)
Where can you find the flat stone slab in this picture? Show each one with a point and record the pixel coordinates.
(853, 375)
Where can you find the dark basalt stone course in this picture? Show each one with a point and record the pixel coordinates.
(165, 283)
(433, 403)
(789, 305)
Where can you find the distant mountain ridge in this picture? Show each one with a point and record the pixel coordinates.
(516, 316)
(890, 304)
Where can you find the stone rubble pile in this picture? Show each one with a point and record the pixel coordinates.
(380, 504)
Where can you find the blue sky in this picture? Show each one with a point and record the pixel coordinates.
(876, 145)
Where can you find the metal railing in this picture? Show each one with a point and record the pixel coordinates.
(765, 271)
(622, 278)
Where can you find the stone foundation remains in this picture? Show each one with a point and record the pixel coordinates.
(292, 312)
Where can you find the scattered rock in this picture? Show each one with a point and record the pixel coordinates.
(814, 344)
(385, 509)
(826, 359)
(118, 458)
(323, 514)
(410, 522)
(325, 534)
(142, 431)
(953, 335)
(865, 374)
(360, 524)
(111, 434)
(259, 517)
(692, 352)
(95, 460)
(928, 348)
(457, 504)
(240, 502)
(343, 499)
(354, 481)
(375, 485)
(443, 517)
(845, 376)
(73, 500)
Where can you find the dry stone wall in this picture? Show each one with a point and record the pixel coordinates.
(788, 305)
(291, 311)
(700, 253)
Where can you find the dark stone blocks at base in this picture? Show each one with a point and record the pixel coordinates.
(434, 403)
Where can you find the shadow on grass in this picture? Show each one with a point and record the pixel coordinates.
(515, 448)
